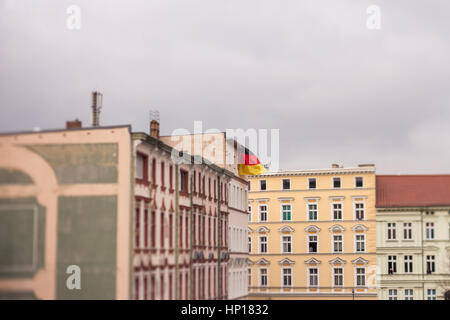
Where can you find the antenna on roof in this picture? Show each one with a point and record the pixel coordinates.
(97, 102)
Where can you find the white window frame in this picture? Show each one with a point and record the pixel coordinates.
(309, 278)
(249, 213)
(259, 212)
(409, 262)
(409, 294)
(261, 242)
(430, 259)
(342, 210)
(341, 234)
(356, 276)
(309, 179)
(282, 184)
(282, 277)
(282, 211)
(314, 202)
(260, 189)
(260, 269)
(431, 295)
(362, 182)
(391, 231)
(392, 294)
(355, 242)
(282, 243)
(407, 227)
(429, 226)
(332, 183)
(307, 242)
(334, 277)
(355, 202)
(394, 262)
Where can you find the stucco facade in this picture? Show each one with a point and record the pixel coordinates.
(312, 234)
(61, 191)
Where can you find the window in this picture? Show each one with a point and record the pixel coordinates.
(137, 228)
(286, 208)
(430, 264)
(312, 211)
(359, 210)
(360, 277)
(407, 231)
(429, 230)
(312, 244)
(431, 294)
(360, 243)
(312, 183)
(392, 264)
(287, 277)
(359, 182)
(338, 277)
(183, 181)
(154, 171)
(262, 185)
(249, 213)
(262, 212)
(171, 177)
(409, 294)
(337, 183)
(391, 230)
(262, 244)
(408, 260)
(313, 277)
(162, 173)
(249, 244)
(140, 166)
(287, 244)
(249, 186)
(337, 211)
(392, 294)
(337, 243)
(249, 274)
(286, 184)
(263, 277)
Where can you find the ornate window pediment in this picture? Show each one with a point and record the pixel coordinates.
(286, 261)
(262, 229)
(263, 262)
(249, 230)
(312, 261)
(312, 229)
(337, 261)
(360, 261)
(359, 227)
(286, 229)
(337, 227)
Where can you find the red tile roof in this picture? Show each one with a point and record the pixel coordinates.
(413, 190)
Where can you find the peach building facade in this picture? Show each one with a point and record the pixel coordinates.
(312, 234)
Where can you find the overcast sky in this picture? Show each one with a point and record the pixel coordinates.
(338, 91)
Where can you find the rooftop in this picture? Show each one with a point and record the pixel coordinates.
(412, 190)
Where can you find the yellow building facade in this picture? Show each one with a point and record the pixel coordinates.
(312, 234)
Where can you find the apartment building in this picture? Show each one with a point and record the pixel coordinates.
(123, 212)
(312, 234)
(413, 237)
(223, 152)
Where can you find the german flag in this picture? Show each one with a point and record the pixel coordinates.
(249, 164)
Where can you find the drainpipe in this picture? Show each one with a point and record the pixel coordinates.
(177, 231)
(219, 234)
(191, 240)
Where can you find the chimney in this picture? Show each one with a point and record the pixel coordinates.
(97, 102)
(75, 124)
(154, 124)
(154, 129)
(334, 165)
